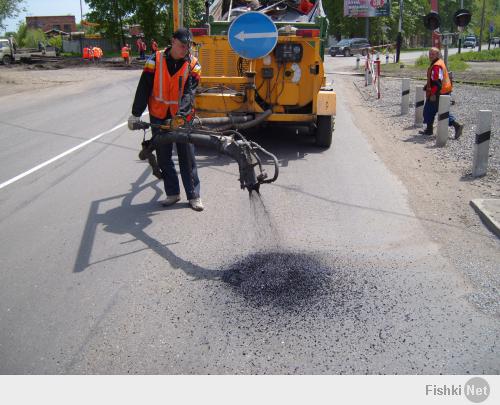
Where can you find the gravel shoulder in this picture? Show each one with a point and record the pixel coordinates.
(20, 78)
(438, 180)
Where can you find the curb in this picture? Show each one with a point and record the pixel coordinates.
(489, 212)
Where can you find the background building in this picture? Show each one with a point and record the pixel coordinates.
(64, 23)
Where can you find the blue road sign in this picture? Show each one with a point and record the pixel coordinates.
(252, 35)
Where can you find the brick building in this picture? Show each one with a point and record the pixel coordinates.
(64, 23)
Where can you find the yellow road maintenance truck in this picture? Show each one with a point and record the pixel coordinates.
(264, 59)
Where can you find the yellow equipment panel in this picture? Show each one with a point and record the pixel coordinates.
(326, 103)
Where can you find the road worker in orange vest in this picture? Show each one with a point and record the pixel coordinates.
(91, 53)
(438, 83)
(167, 87)
(126, 54)
(97, 53)
(86, 53)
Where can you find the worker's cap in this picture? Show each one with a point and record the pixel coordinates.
(183, 35)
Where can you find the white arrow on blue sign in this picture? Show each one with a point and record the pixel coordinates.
(252, 35)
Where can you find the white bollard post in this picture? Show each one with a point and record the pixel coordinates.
(419, 106)
(443, 118)
(405, 96)
(357, 62)
(482, 144)
(387, 58)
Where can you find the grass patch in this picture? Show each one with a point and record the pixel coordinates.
(455, 65)
(414, 49)
(493, 55)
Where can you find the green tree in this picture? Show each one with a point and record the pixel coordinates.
(33, 37)
(20, 35)
(154, 16)
(9, 9)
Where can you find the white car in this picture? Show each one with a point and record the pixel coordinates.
(470, 42)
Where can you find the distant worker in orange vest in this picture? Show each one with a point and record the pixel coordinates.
(438, 83)
(141, 48)
(91, 53)
(126, 54)
(97, 53)
(167, 87)
(86, 53)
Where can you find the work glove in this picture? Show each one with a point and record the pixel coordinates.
(177, 121)
(432, 98)
(133, 122)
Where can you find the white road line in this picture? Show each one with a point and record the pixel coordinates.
(48, 162)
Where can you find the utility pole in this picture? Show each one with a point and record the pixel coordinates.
(400, 28)
(367, 28)
(81, 12)
(481, 30)
(460, 35)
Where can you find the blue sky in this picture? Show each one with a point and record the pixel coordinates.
(48, 7)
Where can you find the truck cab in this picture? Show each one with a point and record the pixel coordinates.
(5, 51)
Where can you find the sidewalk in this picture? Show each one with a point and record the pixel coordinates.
(489, 211)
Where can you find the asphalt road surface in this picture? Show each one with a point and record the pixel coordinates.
(329, 272)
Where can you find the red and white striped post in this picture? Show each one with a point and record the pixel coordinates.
(377, 63)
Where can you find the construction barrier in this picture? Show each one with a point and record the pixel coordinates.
(372, 74)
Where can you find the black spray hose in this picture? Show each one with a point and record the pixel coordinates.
(260, 118)
(225, 120)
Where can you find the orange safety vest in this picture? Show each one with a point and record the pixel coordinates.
(125, 53)
(97, 52)
(446, 86)
(86, 53)
(166, 90)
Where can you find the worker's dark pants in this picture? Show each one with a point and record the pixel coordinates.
(430, 111)
(187, 166)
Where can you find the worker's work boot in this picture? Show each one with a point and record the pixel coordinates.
(428, 130)
(196, 204)
(458, 129)
(171, 200)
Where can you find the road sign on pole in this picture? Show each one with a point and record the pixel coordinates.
(252, 35)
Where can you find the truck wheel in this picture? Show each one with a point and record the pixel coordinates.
(6, 60)
(324, 129)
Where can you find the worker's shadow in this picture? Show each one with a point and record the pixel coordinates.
(133, 219)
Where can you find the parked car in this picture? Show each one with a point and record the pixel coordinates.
(470, 41)
(349, 47)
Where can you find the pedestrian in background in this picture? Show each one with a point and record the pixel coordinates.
(438, 83)
(141, 48)
(154, 46)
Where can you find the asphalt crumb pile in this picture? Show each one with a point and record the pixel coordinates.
(290, 281)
